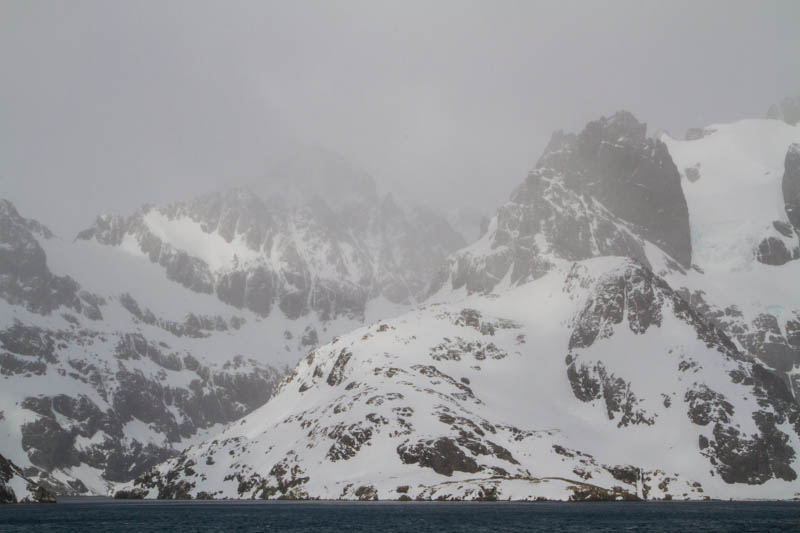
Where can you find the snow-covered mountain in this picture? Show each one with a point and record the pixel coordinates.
(299, 259)
(151, 331)
(97, 385)
(620, 331)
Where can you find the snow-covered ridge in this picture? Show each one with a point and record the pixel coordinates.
(299, 259)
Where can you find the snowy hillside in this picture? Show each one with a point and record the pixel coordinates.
(741, 182)
(732, 179)
(596, 380)
(591, 345)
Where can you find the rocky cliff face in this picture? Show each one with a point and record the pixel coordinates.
(299, 260)
(26, 280)
(634, 177)
(606, 191)
(791, 188)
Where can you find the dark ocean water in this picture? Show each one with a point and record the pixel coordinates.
(121, 517)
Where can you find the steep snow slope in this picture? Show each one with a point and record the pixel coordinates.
(732, 181)
(745, 243)
(594, 381)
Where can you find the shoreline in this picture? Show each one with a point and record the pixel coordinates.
(69, 500)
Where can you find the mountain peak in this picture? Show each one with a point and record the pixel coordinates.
(788, 110)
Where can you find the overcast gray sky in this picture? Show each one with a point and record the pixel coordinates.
(105, 105)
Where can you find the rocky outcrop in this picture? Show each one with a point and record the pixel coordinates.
(774, 342)
(11, 474)
(56, 439)
(773, 251)
(605, 191)
(634, 177)
(25, 278)
(634, 296)
(791, 186)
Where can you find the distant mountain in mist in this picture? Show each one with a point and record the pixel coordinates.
(788, 110)
(152, 330)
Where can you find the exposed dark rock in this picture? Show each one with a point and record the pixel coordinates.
(584, 492)
(692, 173)
(791, 185)
(773, 251)
(288, 479)
(196, 326)
(29, 341)
(11, 365)
(595, 382)
(783, 228)
(218, 396)
(597, 193)
(752, 460)
(35, 493)
(706, 406)
(636, 293)
(347, 441)
(765, 340)
(25, 278)
(336, 375)
(442, 455)
(634, 177)
(626, 473)
(132, 494)
(367, 492)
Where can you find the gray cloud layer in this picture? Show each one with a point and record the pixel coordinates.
(106, 105)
